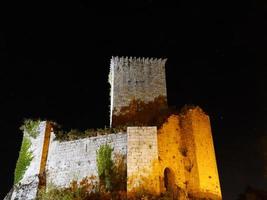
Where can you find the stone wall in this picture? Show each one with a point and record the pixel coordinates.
(171, 154)
(75, 160)
(183, 145)
(135, 78)
(142, 159)
(189, 145)
(186, 148)
(28, 186)
(204, 178)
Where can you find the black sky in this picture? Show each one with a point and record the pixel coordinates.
(216, 59)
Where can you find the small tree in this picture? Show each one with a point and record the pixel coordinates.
(104, 165)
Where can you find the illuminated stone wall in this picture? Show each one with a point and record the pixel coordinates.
(27, 189)
(170, 156)
(142, 159)
(75, 160)
(135, 78)
(183, 144)
(203, 179)
(188, 143)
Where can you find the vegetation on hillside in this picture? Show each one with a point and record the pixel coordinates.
(87, 190)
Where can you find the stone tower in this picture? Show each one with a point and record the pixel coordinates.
(175, 156)
(135, 78)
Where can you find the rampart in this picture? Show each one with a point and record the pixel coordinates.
(59, 163)
(75, 160)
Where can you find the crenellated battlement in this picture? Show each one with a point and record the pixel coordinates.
(118, 61)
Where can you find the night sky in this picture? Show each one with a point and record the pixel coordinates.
(54, 64)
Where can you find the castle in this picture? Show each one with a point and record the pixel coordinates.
(175, 152)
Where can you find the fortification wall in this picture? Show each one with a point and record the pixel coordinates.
(198, 137)
(75, 160)
(205, 154)
(142, 159)
(28, 185)
(190, 162)
(171, 154)
(135, 78)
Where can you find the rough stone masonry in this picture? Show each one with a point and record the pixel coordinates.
(177, 156)
(135, 78)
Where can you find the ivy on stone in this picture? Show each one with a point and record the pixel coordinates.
(105, 165)
(24, 160)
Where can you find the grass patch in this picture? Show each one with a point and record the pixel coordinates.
(24, 160)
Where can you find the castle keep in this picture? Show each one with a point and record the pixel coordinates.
(135, 78)
(176, 154)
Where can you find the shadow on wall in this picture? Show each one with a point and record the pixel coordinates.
(139, 113)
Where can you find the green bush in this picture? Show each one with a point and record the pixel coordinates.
(104, 165)
(24, 160)
(31, 127)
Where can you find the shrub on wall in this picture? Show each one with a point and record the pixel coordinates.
(31, 127)
(119, 172)
(24, 160)
(74, 134)
(105, 165)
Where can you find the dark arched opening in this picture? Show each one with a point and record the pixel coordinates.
(168, 179)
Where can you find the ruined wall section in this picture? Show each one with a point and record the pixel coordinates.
(142, 159)
(204, 154)
(188, 147)
(135, 78)
(171, 152)
(75, 160)
(28, 186)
